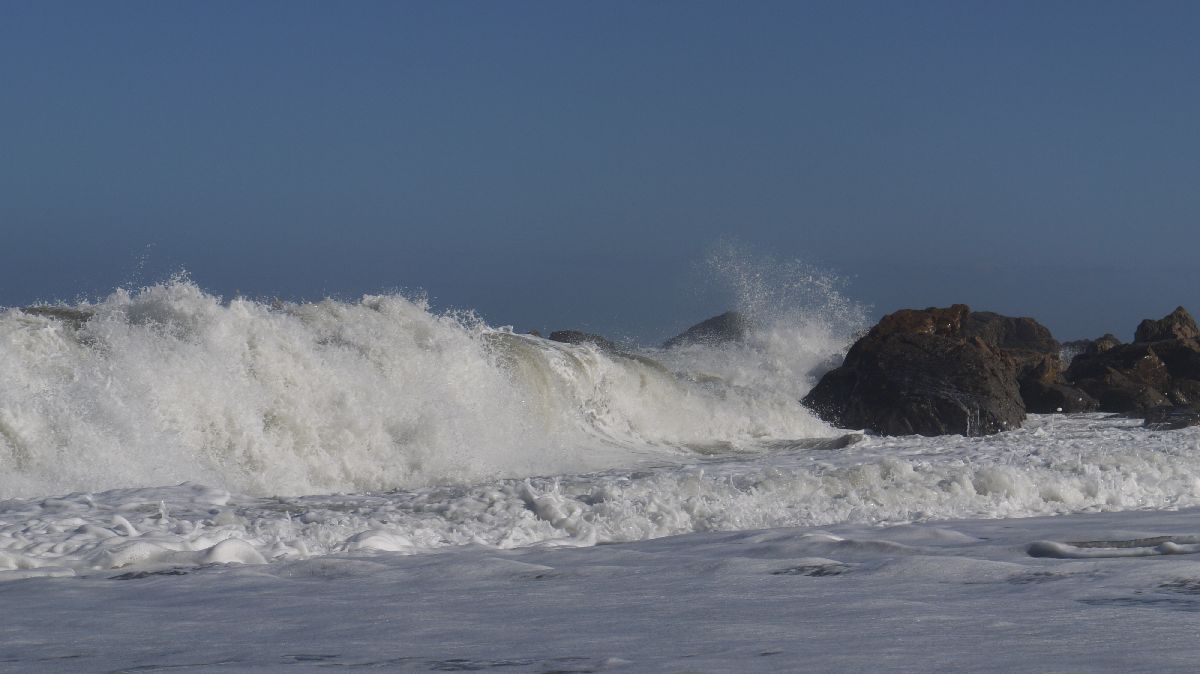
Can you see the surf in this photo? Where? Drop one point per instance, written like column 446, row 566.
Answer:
column 169, row 384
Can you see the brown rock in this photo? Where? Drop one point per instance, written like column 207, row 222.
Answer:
column 1044, row 392
column 1178, row 324
column 1118, row 391
column 916, row 373
column 1011, row 333
column 1161, row 366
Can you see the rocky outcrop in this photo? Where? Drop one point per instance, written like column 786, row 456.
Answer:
column 916, row 372
column 1044, row 390
column 947, row 370
column 1160, row 368
column 1013, row 334
column 579, row 337
column 1178, row 324
column 730, row 326
column 1036, row 355
column 72, row 316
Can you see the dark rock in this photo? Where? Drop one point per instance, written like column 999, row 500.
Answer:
column 1139, row 362
column 534, row 333
column 730, row 326
column 1161, row 367
column 1119, row 392
column 1074, row 348
column 1010, row 333
column 1037, row 356
column 69, row 315
column 1044, row 392
column 578, row 337
column 1178, row 324
column 1184, row 392
column 917, row 373
column 1171, row 417
column 1180, row 357
column 1049, row 398
column 1105, row 343
column 1087, row 347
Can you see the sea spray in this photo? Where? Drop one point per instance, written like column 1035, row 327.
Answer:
column 169, row 384
column 802, row 323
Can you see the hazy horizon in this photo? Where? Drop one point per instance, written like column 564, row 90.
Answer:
column 572, row 166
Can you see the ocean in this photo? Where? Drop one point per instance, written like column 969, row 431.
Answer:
column 192, row 484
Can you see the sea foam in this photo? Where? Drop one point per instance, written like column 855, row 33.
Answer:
column 169, row 384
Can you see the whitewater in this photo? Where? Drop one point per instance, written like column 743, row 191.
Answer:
column 194, row 483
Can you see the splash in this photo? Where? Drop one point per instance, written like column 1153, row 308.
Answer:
column 803, row 323
column 170, row 384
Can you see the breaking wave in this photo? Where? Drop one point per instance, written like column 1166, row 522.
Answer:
column 170, row 384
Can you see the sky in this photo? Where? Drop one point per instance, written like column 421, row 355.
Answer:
column 569, row 164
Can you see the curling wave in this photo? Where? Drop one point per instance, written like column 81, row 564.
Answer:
column 170, row 384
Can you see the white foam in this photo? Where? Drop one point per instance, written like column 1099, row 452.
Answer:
column 1057, row 465
column 169, row 384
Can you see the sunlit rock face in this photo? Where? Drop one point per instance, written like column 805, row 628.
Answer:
column 918, row 372
column 1161, row 367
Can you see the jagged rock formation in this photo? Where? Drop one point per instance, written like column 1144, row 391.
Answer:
column 1178, row 324
column 1035, row 353
column 1160, row 368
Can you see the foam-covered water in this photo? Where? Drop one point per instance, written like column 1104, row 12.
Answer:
column 1056, row 465
column 164, row 427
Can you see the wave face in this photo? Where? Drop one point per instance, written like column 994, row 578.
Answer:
column 169, row 384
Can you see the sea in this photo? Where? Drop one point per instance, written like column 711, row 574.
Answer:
column 192, row 483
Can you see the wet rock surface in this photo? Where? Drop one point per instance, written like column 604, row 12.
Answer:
column 916, row 372
column 731, row 326
column 948, row 370
column 1160, row 368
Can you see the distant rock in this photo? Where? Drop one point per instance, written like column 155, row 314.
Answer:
column 69, row 315
column 1105, row 343
column 1090, row 347
column 1172, row 417
column 579, row 337
column 731, row 326
column 1161, row 367
column 916, row 372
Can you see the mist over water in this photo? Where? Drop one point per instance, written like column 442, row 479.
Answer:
column 802, row 322
column 168, row 384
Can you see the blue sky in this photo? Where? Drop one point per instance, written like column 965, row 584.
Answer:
column 566, row 164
